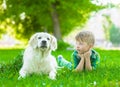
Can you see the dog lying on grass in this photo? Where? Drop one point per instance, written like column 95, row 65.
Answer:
column 37, row 56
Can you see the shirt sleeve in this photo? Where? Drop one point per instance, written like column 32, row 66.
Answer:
column 75, row 60
column 95, row 60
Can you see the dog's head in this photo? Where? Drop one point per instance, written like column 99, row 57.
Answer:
column 43, row 41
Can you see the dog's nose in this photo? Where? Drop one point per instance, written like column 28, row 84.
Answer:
column 44, row 42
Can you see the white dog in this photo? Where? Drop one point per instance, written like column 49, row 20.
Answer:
column 37, row 56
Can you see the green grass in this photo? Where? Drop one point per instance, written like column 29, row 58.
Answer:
column 7, row 55
column 106, row 75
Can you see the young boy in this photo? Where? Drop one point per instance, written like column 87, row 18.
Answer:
column 84, row 57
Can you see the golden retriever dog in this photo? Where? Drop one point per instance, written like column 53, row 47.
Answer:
column 37, row 56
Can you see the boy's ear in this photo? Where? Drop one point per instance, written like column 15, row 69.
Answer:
column 91, row 46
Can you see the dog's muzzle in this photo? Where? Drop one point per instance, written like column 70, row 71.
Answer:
column 43, row 44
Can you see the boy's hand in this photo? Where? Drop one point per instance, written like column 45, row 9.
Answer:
column 87, row 61
column 87, row 54
column 81, row 55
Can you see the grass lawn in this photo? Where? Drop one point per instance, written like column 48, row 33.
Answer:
column 106, row 75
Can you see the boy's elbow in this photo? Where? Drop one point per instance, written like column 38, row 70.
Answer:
column 89, row 69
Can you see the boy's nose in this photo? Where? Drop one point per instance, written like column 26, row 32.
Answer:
column 77, row 47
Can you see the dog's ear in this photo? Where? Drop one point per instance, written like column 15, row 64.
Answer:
column 53, row 44
column 33, row 41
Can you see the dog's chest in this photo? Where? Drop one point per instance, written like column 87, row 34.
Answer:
column 40, row 64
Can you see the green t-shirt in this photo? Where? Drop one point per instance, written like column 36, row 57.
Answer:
column 94, row 58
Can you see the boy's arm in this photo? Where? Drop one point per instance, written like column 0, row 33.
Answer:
column 87, row 61
column 81, row 64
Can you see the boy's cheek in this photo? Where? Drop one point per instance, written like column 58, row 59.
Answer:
column 77, row 49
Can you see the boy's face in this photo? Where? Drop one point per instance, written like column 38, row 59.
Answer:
column 82, row 47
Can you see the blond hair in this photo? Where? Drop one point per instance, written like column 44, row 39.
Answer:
column 86, row 36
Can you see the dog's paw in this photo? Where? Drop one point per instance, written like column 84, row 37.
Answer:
column 52, row 75
column 20, row 77
column 22, row 74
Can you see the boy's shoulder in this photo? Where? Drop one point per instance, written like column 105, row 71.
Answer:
column 75, row 52
column 94, row 54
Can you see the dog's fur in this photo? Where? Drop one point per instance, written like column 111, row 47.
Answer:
column 37, row 56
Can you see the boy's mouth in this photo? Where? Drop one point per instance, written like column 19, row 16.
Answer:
column 80, row 52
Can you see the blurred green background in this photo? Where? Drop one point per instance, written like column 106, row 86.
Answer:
column 19, row 19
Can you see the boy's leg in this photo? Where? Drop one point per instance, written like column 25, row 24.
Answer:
column 64, row 63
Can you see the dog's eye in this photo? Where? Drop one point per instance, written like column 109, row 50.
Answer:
column 39, row 37
column 48, row 38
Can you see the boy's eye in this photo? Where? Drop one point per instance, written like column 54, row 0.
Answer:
column 80, row 43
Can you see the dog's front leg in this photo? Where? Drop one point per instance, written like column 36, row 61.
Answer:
column 22, row 73
column 52, row 75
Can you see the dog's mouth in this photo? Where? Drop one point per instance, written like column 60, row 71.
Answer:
column 43, row 46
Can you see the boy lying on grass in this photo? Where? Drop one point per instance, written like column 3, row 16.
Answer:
column 84, row 57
